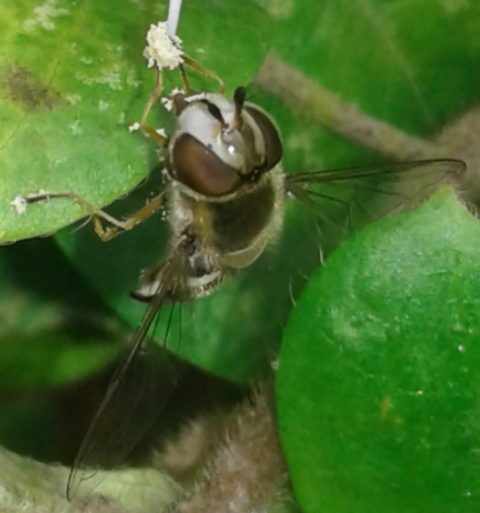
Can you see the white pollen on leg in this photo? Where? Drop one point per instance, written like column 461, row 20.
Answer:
column 19, row 203
column 162, row 51
column 167, row 104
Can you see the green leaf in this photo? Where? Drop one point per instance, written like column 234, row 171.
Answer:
column 72, row 79
column 377, row 387
column 53, row 331
column 392, row 60
column 357, row 51
column 29, row 426
column 50, row 358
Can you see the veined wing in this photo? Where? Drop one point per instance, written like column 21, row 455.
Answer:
column 349, row 197
column 138, row 390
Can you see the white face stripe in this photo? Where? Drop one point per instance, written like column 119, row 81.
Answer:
column 229, row 146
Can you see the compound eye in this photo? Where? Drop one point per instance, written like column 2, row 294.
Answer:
column 271, row 137
column 196, row 166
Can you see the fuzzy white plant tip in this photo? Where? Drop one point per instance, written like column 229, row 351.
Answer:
column 167, row 104
column 19, row 203
column 162, row 51
column 134, row 127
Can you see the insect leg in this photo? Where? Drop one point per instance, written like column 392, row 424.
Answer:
column 97, row 214
column 198, row 67
column 144, row 124
column 138, row 217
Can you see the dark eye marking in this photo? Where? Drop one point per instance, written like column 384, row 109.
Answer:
column 214, row 111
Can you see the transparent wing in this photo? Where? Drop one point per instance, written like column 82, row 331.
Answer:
column 347, row 198
column 139, row 388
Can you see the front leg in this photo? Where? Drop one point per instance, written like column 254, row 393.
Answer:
column 144, row 124
column 117, row 226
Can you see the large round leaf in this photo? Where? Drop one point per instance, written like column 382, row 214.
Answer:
column 377, row 388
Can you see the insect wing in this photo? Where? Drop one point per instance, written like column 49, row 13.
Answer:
column 139, row 388
column 350, row 197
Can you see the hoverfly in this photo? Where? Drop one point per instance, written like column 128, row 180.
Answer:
column 225, row 201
